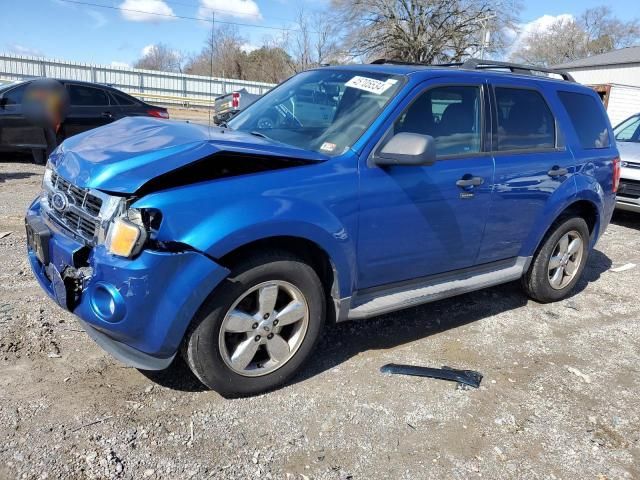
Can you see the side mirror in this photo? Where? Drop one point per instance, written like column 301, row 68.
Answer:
column 3, row 102
column 409, row 149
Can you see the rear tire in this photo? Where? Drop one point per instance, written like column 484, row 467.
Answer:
column 39, row 156
column 558, row 264
column 236, row 348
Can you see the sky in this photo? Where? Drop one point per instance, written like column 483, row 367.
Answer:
column 62, row 29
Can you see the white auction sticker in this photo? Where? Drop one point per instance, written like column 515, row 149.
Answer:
column 370, row 84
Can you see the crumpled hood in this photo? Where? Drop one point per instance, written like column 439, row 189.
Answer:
column 126, row 154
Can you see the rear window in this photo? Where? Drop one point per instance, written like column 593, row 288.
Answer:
column 524, row 120
column 588, row 119
column 87, row 96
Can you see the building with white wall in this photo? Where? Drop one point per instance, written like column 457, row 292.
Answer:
column 615, row 76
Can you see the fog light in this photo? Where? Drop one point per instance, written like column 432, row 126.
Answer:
column 107, row 303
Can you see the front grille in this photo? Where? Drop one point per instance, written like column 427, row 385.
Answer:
column 629, row 188
column 81, row 214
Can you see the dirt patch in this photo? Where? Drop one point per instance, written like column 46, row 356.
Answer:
column 559, row 399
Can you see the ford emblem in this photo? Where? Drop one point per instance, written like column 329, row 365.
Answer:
column 59, row 202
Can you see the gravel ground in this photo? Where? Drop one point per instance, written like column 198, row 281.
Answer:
column 559, row 399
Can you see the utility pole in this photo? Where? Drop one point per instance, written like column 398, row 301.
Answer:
column 212, row 105
column 486, row 33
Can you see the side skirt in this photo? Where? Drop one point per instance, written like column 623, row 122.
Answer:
column 388, row 298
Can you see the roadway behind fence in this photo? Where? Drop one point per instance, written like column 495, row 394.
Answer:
column 158, row 87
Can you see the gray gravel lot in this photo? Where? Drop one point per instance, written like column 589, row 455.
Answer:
column 560, row 398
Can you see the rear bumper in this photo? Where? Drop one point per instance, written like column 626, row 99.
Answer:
column 138, row 310
column 628, row 204
column 629, row 190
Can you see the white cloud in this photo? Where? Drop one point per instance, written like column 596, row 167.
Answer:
column 147, row 49
column 248, row 47
column 146, row 10
column 230, row 8
column 540, row 24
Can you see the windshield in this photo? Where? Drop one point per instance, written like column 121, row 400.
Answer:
column 323, row 110
column 629, row 130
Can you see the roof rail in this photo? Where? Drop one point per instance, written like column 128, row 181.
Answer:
column 477, row 64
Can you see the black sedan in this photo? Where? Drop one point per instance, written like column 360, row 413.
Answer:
column 90, row 105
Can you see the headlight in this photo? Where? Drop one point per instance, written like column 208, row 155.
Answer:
column 127, row 234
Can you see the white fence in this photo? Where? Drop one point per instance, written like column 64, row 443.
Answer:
column 164, row 87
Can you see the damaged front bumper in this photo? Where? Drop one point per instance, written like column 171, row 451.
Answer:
column 136, row 309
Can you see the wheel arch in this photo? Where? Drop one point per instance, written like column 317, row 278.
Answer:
column 308, row 250
column 580, row 207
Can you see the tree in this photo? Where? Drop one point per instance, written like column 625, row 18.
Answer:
column 269, row 64
column 595, row 31
column 225, row 47
column 161, row 57
column 424, row 31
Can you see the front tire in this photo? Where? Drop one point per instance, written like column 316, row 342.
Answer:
column 257, row 328
column 558, row 264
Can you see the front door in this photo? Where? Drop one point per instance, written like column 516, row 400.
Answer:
column 419, row 221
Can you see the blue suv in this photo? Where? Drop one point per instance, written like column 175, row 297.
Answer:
column 344, row 193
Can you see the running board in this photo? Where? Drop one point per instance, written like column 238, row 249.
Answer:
column 437, row 287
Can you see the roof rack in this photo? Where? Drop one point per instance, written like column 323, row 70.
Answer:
column 477, row 64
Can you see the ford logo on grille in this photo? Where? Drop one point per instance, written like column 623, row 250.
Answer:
column 59, row 202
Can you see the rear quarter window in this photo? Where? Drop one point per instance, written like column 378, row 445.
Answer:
column 587, row 118
column 124, row 100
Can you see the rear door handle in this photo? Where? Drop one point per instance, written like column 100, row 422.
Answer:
column 469, row 181
column 107, row 114
column 557, row 172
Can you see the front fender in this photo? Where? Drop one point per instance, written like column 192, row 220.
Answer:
column 240, row 224
column 219, row 217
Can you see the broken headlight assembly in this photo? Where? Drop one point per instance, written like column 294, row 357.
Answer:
column 128, row 233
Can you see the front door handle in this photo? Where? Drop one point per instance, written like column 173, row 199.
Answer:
column 107, row 114
column 469, row 181
column 557, row 172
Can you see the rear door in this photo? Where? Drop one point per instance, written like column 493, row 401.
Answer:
column 89, row 107
column 531, row 162
column 417, row 221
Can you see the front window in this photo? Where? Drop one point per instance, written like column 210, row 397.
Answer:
column 451, row 115
column 323, row 110
column 629, row 130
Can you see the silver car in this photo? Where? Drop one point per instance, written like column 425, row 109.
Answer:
column 628, row 139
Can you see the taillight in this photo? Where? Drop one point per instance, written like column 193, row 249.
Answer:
column 235, row 99
column 158, row 113
column 616, row 174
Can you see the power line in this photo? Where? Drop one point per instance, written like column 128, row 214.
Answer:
column 182, row 17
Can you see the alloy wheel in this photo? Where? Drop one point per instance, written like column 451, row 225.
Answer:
column 565, row 260
column 264, row 328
